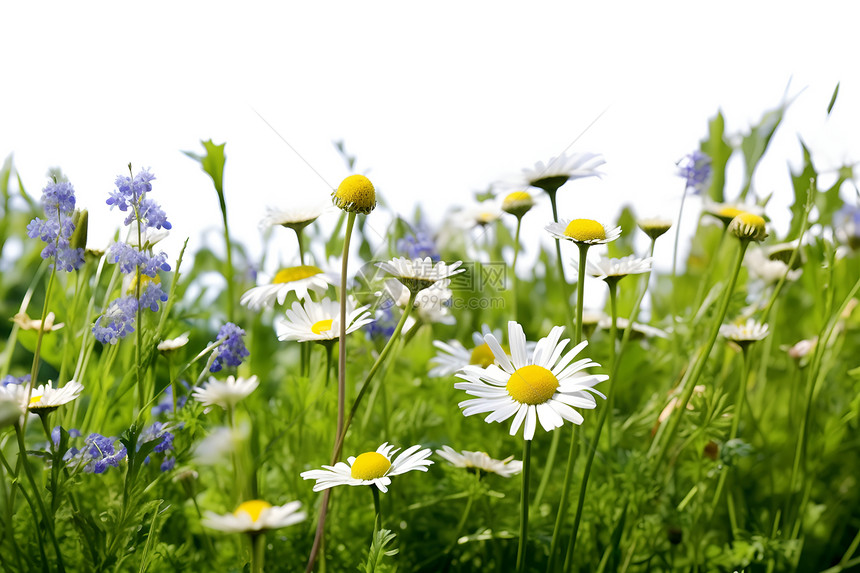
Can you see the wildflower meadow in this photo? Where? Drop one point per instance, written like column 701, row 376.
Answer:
column 436, row 397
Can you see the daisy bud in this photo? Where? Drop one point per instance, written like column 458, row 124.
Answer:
column 654, row 227
column 355, row 194
column 518, row 203
column 748, row 227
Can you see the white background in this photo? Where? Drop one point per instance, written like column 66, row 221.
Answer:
column 437, row 101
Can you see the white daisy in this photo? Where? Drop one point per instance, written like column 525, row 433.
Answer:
column 768, row 266
column 255, row 516
column 559, row 170
column 11, row 404
column 225, row 394
column 299, row 279
column 453, row 355
column 320, row 321
column 584, row 231
column 638, row 328
column 371, row 468
column 173, row 343
column 481, row 461
column 479, row 214
column 725, row 212
column 431, row 304
column 606, row 268
column 744, row 333
column 45, row 398
column 419, row 274
column 295, row 216
column 537, row 388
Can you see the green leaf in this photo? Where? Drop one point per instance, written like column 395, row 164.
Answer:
column 719, row 150
column 833, row 99
column 801, row 182
column 754, row 144
column 212, row 163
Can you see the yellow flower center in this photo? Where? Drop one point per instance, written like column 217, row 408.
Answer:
column 356, row 194
column 321, row 326
column 585, row 230
column 291, row 274
column 144, row 282
column 253, row 508
column 482, row 356
column 752, row 220
column 517, row 197
column 35, row 399
column 747, row 226
column 370, row 465
column 729, row 212
column 532, row 385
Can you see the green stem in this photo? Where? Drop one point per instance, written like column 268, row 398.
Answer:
column 524, row 507
column 229, row 246
column 573, row 451
column 34, row 370
column 258, row 551
column 733, row 433
column 318, row 537
column 559, row 262
column 699, row 365
column 341, row 355
column 604, row 414
column 377, row 508
column 514, row 268
column 675, row 333
column 300, row 240
column 49, row 521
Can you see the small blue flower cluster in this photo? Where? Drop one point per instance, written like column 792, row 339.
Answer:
column 130, row 195
column 98, row 454
column 161, row 432
column 119, row 319
column 696, row 169
column 58, row 202
column 419, row 244
column 232, row 350
column 9, row 379
column 385, row 323
column 165, row 406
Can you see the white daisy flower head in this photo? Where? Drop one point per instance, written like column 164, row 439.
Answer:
column 725, row 212
column 355, row 194
column 609, row 269
column 583, row 231
column 225, row 394
column 222, row 442
column 559, row 170
column 45, row 398
column 542, row 386
column 453, row 356
column 295, row 217
column 771, row 264
column 476, row 215
column 654, row 226
column 298, row 279
column 480, row 462
column 320, row 321
column 431, row 304
column 371, row 468
column 744, row 333
column 254, row 516
column 419, row 274
column 171, row 344
column 12, row 398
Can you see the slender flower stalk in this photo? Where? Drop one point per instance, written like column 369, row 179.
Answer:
column 573, row 451
column 341, row 351
column 524, row 507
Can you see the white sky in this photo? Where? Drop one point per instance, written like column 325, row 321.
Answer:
column 436, row 101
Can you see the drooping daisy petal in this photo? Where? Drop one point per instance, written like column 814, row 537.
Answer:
column 254, row 516
column 419, row 274
column 225, row 394
column 480, row 461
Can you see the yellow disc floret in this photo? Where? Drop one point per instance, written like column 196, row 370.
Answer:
column 355, row 194
column 291, row 274
column 585, row 230
column 482, row 356
column 252, row 508
column 370, row 465
column 729, row 212
column 748, row 227
column 321, row 326
column 532, row 385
